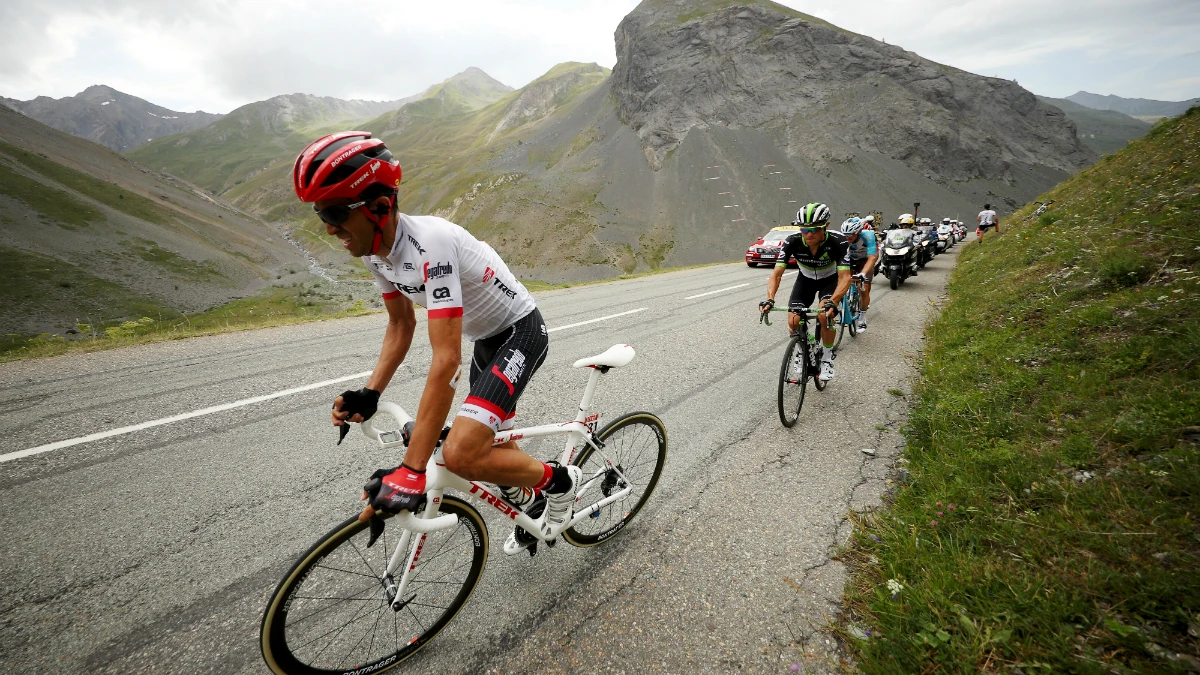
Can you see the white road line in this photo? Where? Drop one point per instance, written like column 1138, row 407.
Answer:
column 603, row 318
column 719, row 290
column 58, row 445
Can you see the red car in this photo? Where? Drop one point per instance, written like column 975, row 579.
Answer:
column 765, row 251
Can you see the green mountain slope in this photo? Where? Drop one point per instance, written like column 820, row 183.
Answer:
column 1104, row 131
column 91, row 237
column 260, row 137
column 1053, row 448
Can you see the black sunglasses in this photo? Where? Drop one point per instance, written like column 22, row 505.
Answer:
column 337, row 215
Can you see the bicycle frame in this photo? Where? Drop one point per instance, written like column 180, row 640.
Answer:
column 438, row 479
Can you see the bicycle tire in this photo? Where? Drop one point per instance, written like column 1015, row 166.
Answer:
column 841, row 329
column 649, row 427
column 814, row 363
column 279, row 642
column 854, row 305
column 792, row 383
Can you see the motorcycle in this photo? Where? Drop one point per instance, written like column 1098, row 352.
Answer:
column 899, row 256
column 945, row 238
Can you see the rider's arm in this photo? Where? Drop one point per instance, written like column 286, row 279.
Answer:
column 445, row 335
column 397, row 338
column 872, row 245
column 774, row 279
column 843, row 285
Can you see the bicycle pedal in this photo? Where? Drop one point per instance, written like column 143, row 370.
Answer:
column 532, row 549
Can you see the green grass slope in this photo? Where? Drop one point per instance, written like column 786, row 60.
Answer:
column 1050, row 523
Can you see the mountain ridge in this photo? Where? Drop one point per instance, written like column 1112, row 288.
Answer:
column 1104, row 131
column 112, row 118
column 1134, row 107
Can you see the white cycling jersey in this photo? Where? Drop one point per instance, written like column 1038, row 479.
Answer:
column 445, row 269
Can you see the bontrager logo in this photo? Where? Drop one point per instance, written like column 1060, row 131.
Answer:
column 437, row 270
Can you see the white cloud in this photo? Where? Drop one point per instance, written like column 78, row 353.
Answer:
column 219, row 54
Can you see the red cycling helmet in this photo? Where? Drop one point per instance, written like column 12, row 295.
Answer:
column 348, row 165
column 342, row 166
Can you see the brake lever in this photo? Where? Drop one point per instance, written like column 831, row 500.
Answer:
column 376, row 525
column 342, row 431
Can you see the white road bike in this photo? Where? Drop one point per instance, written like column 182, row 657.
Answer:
column 359, row 601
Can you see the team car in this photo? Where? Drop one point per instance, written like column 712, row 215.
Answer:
column 765, row 251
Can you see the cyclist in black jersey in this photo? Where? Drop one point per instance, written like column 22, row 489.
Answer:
column 824, row 261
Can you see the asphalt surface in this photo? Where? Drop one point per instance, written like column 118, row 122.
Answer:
column 155, row 551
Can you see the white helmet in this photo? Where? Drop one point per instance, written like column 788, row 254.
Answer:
column 851, row 226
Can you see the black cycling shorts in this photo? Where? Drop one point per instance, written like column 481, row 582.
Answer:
column 856, row 267
column 987, row 227
column 806, row 290
column 501, row 366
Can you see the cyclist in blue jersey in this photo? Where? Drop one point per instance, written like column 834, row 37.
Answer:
column 863, row 254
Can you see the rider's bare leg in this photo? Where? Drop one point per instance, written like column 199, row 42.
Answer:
column 470, row 454
column 864, row 294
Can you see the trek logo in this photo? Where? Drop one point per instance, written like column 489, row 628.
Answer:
column 437, row 270
column 411, row 290
column 440, row 293
column 416, row 244
column 488, row 274
column 374, row 167
column 504, row 289
column 495, row 501
column 512, row 371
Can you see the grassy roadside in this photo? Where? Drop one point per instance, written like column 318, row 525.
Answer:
column 276, row 306
column 1050, row 521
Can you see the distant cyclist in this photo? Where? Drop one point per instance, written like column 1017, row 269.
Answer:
column 864, row 252
column 987, row 219
column 824, row 261
column 353, row 181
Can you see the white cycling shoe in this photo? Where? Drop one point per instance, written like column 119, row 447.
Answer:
column 560, row 507
column 862, row 326
column 827, row 371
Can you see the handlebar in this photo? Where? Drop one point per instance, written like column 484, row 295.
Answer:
column 368, row 427
column 805, row 313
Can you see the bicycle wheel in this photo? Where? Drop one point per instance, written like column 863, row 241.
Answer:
column 853, row 313
column 331, row 612
column 814, row 359
column 793, row 379
column 637, row 444
column 842, row 314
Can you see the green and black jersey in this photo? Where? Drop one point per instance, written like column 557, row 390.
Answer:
column 832, row 255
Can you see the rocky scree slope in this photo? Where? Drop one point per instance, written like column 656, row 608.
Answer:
column 111, row 118
column 90, row 236
column 829, row 93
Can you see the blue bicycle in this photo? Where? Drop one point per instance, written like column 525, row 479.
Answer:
column 850, row 311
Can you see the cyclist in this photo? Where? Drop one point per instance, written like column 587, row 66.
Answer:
column 353, row 182
column 987, row 219
column 863, row 254
column 824, row 261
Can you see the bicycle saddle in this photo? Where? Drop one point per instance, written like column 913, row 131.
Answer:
column 615, row 357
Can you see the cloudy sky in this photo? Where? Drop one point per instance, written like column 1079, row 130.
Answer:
column 216, row 55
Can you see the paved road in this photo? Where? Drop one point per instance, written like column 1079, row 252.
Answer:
column 154, row 551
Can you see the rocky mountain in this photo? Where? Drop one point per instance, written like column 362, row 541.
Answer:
column 1135, row 107
column 720, row 118
column 89, row 236
column 1103, row 131
column 111, row 118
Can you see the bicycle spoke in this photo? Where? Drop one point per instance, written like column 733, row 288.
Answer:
column 337, row 569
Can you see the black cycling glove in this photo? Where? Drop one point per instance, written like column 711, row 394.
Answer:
column 364, row 402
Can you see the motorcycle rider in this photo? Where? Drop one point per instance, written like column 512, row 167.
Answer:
column 907, row 222
column 863, row 254
column 824, row 261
